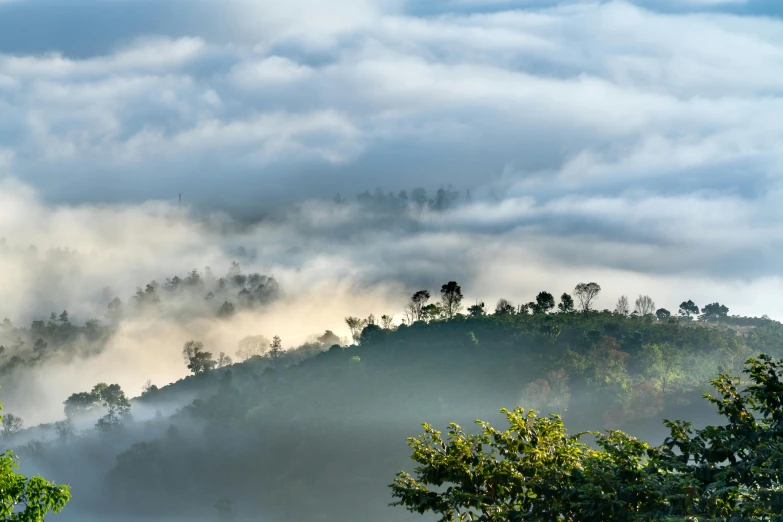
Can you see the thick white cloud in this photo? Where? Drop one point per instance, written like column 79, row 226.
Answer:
column 645, row 140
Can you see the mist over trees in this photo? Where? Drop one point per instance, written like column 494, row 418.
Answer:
column 197, row 294
column 278, row 407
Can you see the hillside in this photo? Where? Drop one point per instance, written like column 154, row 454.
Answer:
column 320, row 437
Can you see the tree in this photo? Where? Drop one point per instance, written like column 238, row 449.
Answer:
column 622, row 307
column 64, row 429
column 226, row 309
column 504, row 307
column 644, row 306
column 116, row 403
column 387, row 322
column 356, row 326
column 80, row 404
column 276, row 348
column 148, row 388
column 662, row 363
column 587, row 293
column 198, row 360
column 11, row 425
column 535, row 471
column 415, row 306
column 451, row 299
column 252, row 346
column 714, row 313
column 477, row 310
column 688, row 309
column 223, row 360
column 544, row 303
column 566, row 305
column 27, row 499
column 431, row 311
column 329, row 338
column 663, row 314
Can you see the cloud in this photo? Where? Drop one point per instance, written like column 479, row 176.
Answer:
column 633, row 143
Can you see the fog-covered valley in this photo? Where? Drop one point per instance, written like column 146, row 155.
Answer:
column 249, row 250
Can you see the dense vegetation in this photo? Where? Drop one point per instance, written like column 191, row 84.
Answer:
column 196, row 294
column 316, row 433
column 25, row 499
column 536, row 471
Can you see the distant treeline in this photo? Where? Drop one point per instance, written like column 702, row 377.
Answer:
column 192, row 295
column 443, row 199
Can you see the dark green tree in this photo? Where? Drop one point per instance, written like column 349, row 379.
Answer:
column 198, row 360
column 544, row 303
column 477, row 310
column 566, row 305
column 27, row 499
column 663, row 314
column 416, row 305
column 688, row 309
column 504, row 307
column 450, row 299
column 714, row 313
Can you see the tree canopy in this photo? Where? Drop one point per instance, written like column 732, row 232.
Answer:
column 536, row 471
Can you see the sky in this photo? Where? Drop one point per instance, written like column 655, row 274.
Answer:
column 634, row 141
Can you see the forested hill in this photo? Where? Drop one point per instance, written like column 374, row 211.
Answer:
column 288, row 437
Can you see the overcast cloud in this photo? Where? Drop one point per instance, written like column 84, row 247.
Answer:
column 636, row 143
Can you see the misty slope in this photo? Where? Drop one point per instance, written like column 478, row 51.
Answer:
column 321, row 439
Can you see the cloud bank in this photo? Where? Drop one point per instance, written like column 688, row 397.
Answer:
column 631, row 143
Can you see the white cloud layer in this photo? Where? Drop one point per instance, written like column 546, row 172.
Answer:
column 633, row 143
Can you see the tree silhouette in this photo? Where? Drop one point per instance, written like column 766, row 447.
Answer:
column 451, row 299
column 587, row 293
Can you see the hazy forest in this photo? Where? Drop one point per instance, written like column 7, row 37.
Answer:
column 267, row 430
column 391, row 261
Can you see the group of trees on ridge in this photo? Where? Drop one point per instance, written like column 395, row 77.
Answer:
column 444, row 198
column 620, row 366
column 418, row 308
column 197, row 292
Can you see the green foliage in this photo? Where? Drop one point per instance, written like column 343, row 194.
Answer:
column 451, row 299
column 544, row 303
column 198, row 360
column 714, row 313
column 566, row 305
column 535, row 471
column 25, row 499
column 688, row 309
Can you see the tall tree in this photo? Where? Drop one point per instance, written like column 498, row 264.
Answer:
column 504, row 307
column 252, row 346
column 11, row 425
column 566, row 305
column 275, row 348
column 198, row 360
column 116, row 403
column 688, row 309
column 662, row 363
column 477, row 310
column 415, row 306
column 587, row 293
column 544, row 303
column 622, row 307
column 714, row 312
column 451, row 299
column 663, row 314
column 644, row 306
column 223, row 360
column 356, row 326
